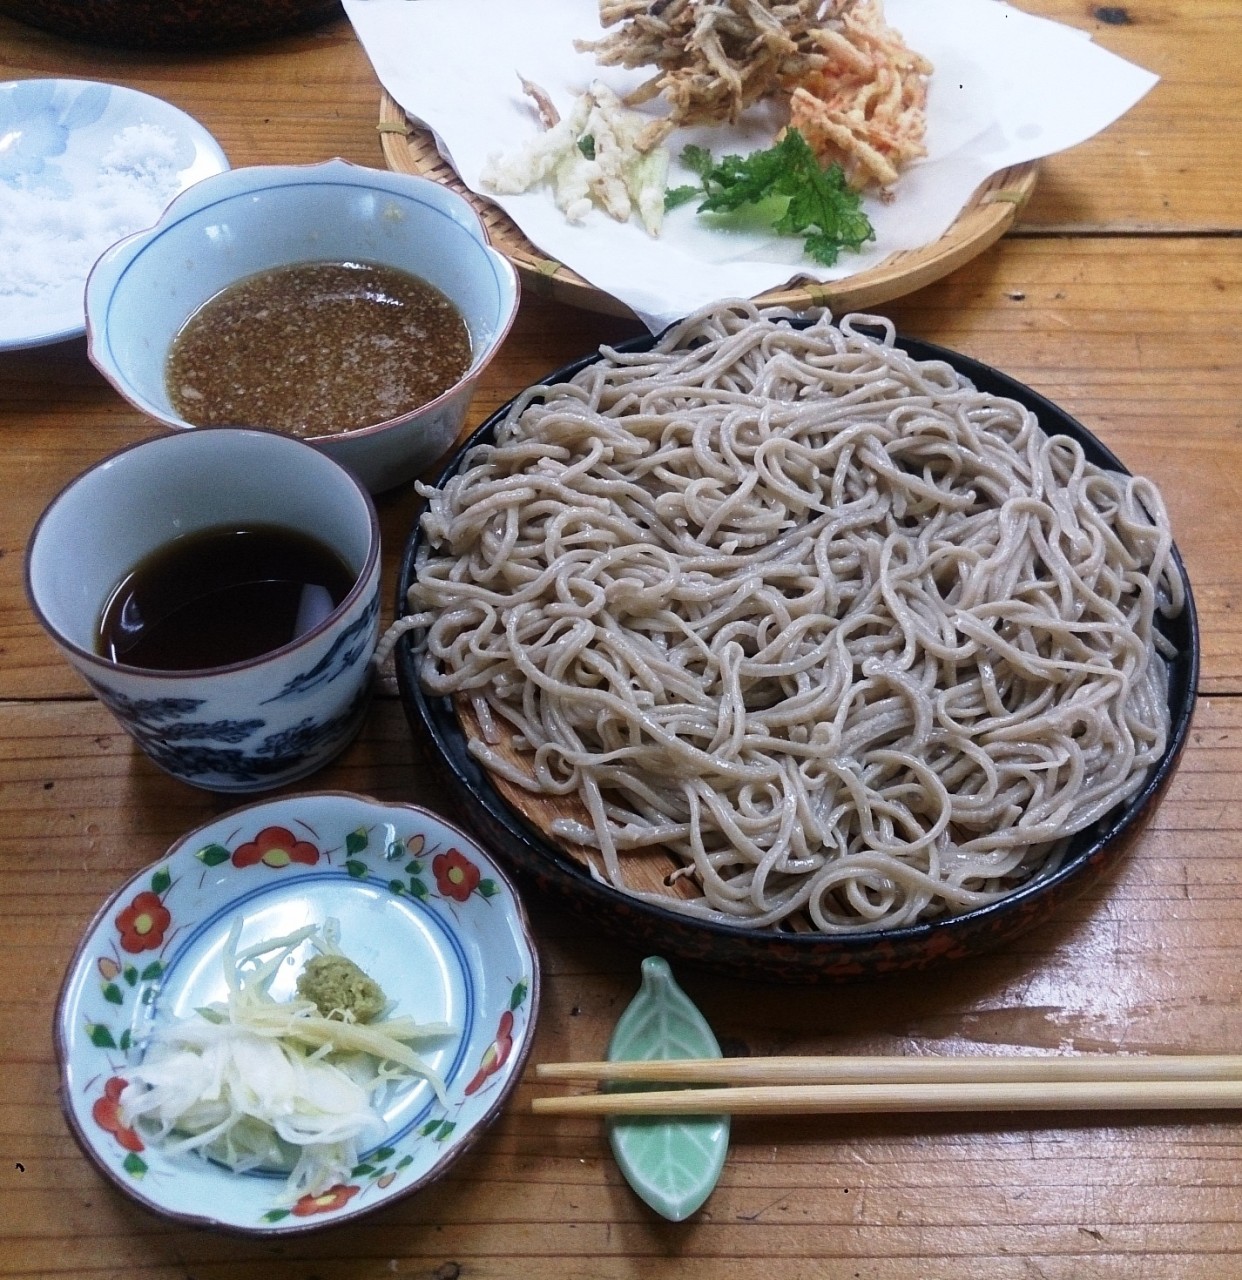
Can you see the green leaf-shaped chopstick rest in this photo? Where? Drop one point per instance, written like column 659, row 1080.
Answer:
column 671, row 1164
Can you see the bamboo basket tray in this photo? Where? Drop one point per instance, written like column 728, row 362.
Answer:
column 992, row 210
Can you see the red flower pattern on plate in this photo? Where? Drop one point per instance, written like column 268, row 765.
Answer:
column 495, row 1055
column 143, row 922
column 275, row 847
column 107, row 1115
column 325, row 1202
column 456, row 876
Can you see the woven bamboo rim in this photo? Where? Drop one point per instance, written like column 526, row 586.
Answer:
column 408, row 148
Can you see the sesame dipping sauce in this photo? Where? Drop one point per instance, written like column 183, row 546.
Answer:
column 316, row 349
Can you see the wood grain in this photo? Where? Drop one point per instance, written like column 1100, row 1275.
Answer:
column 1118, row 295
column 1136, row 340
column 1154, row 939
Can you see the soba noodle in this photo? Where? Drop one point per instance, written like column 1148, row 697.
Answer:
column 857, row 643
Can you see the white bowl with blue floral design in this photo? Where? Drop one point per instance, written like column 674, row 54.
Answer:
column 247, row 726
column 421, row 908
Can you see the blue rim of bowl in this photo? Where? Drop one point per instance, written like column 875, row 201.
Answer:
column 776, row 953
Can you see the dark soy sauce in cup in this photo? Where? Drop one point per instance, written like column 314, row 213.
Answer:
column 221, row 596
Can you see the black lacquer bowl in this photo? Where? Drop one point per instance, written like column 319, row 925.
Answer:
column 186, row 25
column 775, row 955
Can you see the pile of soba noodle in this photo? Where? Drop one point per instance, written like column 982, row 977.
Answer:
column 859, row 644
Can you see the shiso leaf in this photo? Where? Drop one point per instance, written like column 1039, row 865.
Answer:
column 795, row 193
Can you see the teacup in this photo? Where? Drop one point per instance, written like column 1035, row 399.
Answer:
column 253, row 724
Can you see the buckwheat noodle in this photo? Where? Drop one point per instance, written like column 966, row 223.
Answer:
column 858, row 644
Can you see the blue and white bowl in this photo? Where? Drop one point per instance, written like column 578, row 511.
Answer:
column 143, row 290
column 251, row 725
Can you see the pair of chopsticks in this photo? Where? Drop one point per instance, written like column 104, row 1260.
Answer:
column 816, row 1085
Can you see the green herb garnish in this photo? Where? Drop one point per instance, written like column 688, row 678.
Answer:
column 586, row 144
column 806, row 198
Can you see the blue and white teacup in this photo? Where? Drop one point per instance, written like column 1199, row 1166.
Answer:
column 251, row 725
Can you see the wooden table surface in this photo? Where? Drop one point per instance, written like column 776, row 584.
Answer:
column 1119, row 295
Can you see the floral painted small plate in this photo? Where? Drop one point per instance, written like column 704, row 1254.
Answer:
column 421, row 909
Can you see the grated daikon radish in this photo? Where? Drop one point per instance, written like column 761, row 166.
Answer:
column 254, row 1082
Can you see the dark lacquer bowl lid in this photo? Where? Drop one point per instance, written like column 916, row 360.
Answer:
column 172, row 24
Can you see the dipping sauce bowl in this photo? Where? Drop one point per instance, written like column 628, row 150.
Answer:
column 250, row 725
column 143, row 289
column 172, row 24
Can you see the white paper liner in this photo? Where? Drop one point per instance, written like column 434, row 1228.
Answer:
column 1007, row 88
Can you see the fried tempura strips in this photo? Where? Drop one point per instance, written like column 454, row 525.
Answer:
column 715, row 57
column 865, row 107
column 857, row 92
column 589, row 158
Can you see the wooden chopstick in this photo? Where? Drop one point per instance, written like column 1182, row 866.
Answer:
column 763, row 1086
column 892, row 1070
column 1070, row 1095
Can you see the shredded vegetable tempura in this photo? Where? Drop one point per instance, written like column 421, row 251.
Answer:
column 592, row 158
column 258, row 1083
column 856, row 92
column 714, row 58
column 866, row 107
